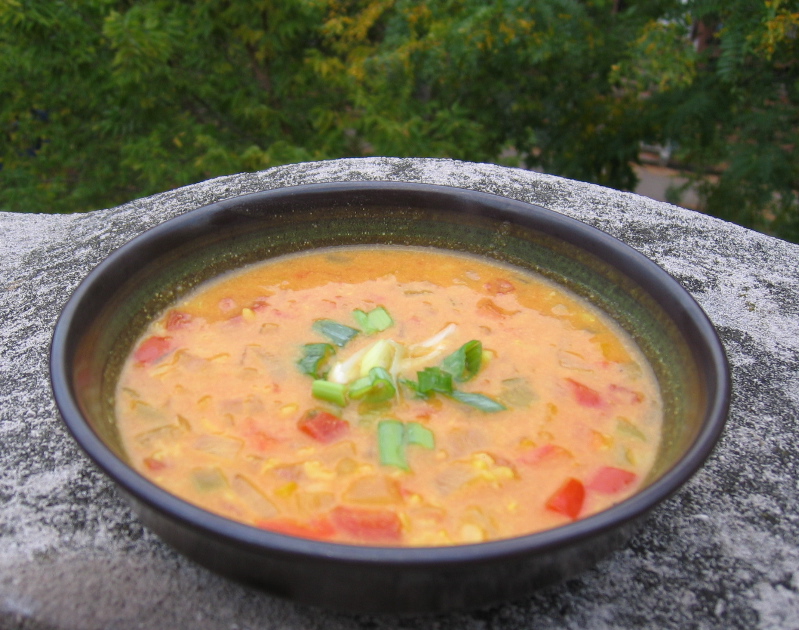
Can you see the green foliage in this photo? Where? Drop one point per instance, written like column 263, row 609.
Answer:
column 102, row 101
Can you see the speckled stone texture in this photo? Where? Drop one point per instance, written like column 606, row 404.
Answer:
column 722, row 553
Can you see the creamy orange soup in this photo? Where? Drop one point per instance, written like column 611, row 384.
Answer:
column 390, row 396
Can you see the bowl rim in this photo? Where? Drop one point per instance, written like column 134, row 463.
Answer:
column 590, row 238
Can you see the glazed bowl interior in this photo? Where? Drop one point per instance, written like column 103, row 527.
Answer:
column 112, row 307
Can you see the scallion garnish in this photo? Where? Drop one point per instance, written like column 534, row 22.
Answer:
column 393, row 438
column 391, row 443
column 465, row 362
column 433, row 379
column 419, row 435
column 377, row 386
column 330, row 392
column 376, row 320
column 314, row 357
column 339, row 334
column 479, row 401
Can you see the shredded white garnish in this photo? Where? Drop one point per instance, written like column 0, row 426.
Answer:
column 345, row 371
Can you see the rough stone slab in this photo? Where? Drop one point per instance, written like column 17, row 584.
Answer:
column 722, row 553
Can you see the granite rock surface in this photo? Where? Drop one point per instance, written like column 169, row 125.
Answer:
column 722, row 553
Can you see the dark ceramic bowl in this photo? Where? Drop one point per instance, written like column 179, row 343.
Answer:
column 118, row 299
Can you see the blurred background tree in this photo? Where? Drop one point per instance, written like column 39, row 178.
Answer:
column 103, row 101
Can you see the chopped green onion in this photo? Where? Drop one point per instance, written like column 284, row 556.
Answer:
column 414, row 387
column 419, row 435
column 359, row 388
column 465, row 362
column 376, row 320
column 330, row 392
column 391, row 443
column 483, row 403
column 433, row 379
column 339, row 334
column 314, row 358
column 380, row 354
column 377, row 386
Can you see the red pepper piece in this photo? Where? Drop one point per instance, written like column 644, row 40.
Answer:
column 374, row 526
column 625, row 394
column 154, row 464
column 568, row 499
column 323, row 426
column 545, row 452
column 610, row 480
column 152, row 349
column 317, row 528
column 586, row 396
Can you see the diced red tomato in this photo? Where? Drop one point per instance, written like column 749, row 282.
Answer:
column 610, row 480
column 373, row 526
column 584, row 395
column 317, row 528
column 568, row 499
column 176, row 320
column 152, row 349
column 542, row 453
column 323, row 426
column 499, row 286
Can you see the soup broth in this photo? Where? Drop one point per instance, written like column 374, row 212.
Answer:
column 390, row 396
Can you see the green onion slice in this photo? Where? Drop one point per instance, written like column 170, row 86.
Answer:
column 414, row 387
column 377, row 386
column 433, row 379
column 465, row 362
column 391, row 443
column 376, row 320
column 314, row 357
column 479, row 401
column 419, row 435
column 339, row 334
column 329, row 392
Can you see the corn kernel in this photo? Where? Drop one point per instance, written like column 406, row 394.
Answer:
column 482, row 461
column 315, row 470
column 287, row 490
